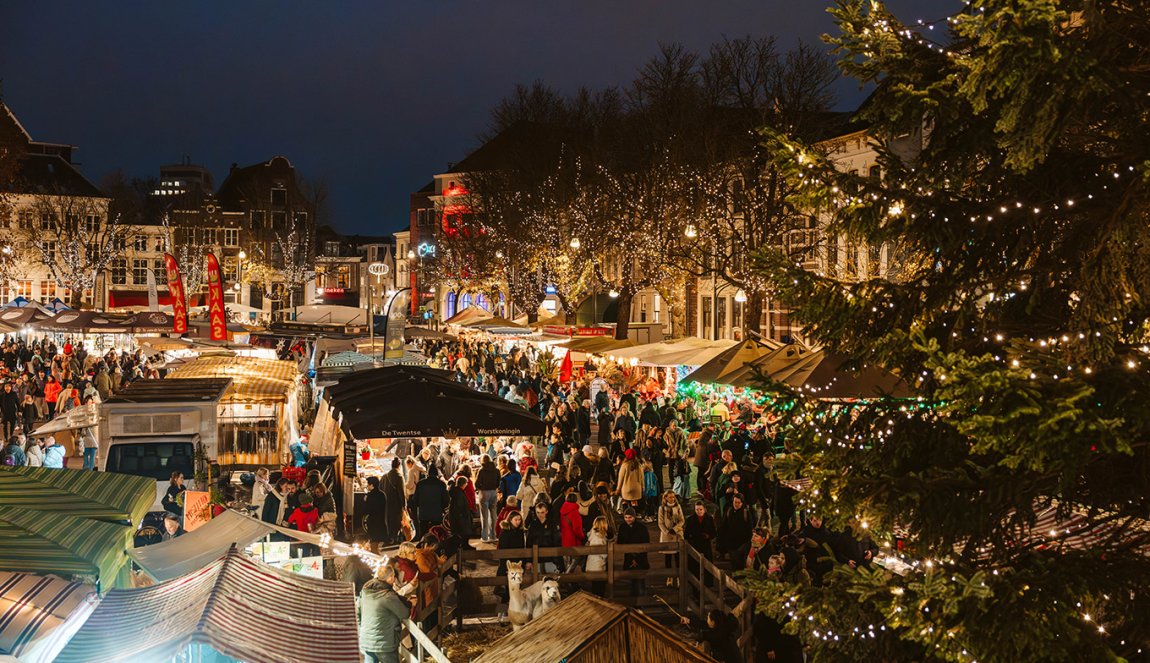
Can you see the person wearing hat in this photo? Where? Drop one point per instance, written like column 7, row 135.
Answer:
column 581, row 467
column 632, row 530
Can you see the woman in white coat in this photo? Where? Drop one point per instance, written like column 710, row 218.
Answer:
column 529, row 489
column 671, row 523
column 598, row 563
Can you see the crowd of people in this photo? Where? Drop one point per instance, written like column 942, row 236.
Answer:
column 41, row 380
column 616, row 466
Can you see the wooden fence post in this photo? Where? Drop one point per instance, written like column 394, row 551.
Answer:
column 610, row 571
column 683, row 547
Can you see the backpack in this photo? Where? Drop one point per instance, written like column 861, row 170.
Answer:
column 9, row 459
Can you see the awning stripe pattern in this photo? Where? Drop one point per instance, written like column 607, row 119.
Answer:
column 47, row 542
column 253, row 379
column 100, row 495
column 39, row 613
column 237, row 606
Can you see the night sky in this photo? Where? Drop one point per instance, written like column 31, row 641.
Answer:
column 373, row 97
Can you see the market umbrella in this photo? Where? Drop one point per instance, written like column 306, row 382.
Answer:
column 497, row 325
column 826, row 375
column 40, row 541
column 729, row 360
column 420, row 332
column 99, row 495
column 779, row 363
column 469, row 314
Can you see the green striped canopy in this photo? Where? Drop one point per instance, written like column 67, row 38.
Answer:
column 41, row 542
column 83, row 493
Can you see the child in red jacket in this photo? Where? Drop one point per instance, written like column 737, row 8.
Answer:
column 306, row 516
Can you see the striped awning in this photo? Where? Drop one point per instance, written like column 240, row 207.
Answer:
column 253, row 379
column 45, row 542
column 99, row 495
column 238, row 607
column 39, row 614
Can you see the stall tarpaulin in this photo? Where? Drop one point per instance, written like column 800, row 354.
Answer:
column 78, row 417
column 238, row 607
column 40, row 613
column 176, row 291
column 216, row 316
column 195, row 550
column 45, row 542
column 101, row 495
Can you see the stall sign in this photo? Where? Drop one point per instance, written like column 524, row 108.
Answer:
column 350, row 451
column 305, row 566
column 273, row 552
column 197, row 509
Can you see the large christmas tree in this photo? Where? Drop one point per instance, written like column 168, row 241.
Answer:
column 1017, row 484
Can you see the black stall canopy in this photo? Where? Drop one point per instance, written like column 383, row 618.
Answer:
column 409, row 401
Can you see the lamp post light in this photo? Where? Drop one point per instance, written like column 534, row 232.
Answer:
column 376, row 269
column 575, row 243
column 741, row 300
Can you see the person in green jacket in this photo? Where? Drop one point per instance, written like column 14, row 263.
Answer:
column 381, row 614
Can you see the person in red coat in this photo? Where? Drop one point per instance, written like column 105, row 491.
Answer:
column 570, row 523
column 306, row 516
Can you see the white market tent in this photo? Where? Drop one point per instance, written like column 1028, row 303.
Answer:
column 235, row 606
column 40, row 613
column 689, row 351
column 201, row 547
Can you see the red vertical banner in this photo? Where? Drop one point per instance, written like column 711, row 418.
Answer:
column 565, row 370
column 176, row 291
column 216, row 300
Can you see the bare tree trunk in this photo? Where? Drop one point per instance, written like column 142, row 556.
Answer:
column 753, row 315
column 623, row 315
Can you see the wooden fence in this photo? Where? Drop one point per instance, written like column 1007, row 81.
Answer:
column 714, row 587
column 418, row 645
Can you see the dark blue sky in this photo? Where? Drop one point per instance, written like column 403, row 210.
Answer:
column 375, row 96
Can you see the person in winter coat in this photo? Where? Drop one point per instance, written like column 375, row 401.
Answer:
column 87, row 441
column 570, row 523
column 14, row 455
column 630, row 479
column 531, row 486
column 55, row 455
column 430, row 500
column 512, row 536
column 735, row 530
column 720, row 635
column 28, row 414
column 382, row 612
column 598, row 536
column 543, row 531
column 509, row 481
column 632, row 530
column 272, row 509
column 9, row 409
column 306, row 516
column 487, row 487
column 392, row 486
column 34, row 453
column 52, row 390
column 699, row 532
column 671, row 523
column 459, row 512
column 375, row 514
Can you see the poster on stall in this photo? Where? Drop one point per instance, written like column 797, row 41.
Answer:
column 305, row 566
column 197, row 508
column 273, row 552
column 176, row 290
column 394, row 349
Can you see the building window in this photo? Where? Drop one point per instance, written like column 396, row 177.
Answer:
column 24, row 288
column 119, row 272
column 25, row 222
column 47, row 290
column 160, row 269
column 258, row 217
column 47, row 219
column 300, row 219
column 92, row 223
column 279, row 196
column 231, row 236
column 139, row 272
column 875, row 172
column 140, row 243
column 158, row 244
column 50, row 251
column 331, row 248
column 450, row 305
column 706, row 317
column 722, row 302
column 231, row 264
column 279, row 220
column 421, row 217
column 658, row 307
column 208, row 236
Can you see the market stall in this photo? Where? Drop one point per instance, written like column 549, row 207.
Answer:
column 40, row 613
column 97, row 331
column 199, row 548
column 259, row 414
column 359, row 418
column 235, row 607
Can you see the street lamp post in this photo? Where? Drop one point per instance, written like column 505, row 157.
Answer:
column 376, row 269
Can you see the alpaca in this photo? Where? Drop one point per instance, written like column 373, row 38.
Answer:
column 549, row 597
column 521, row 602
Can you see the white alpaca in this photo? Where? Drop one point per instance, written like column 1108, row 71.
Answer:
column 549, row 596
column 521, row 602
